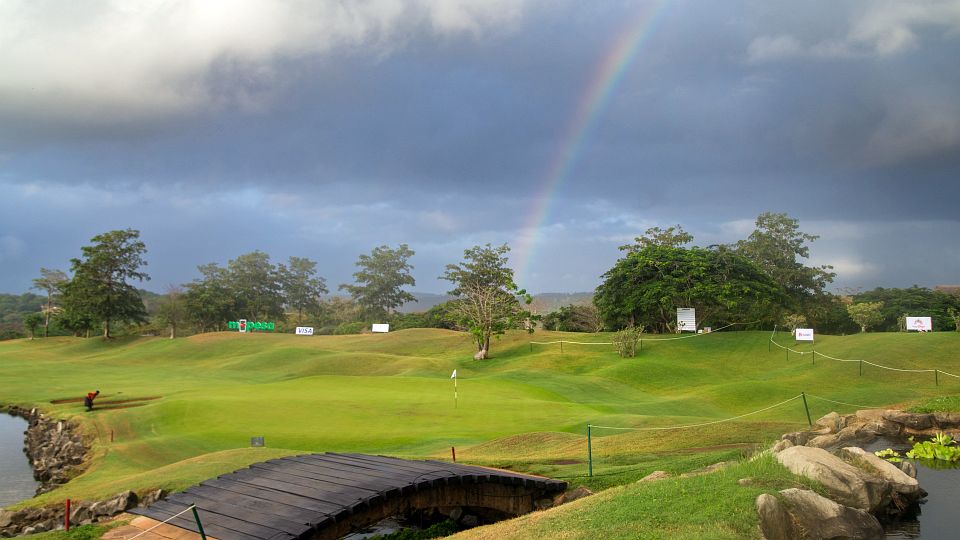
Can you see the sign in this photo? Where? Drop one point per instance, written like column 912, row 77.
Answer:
column 244, row 325
column 686, row 319
column 304, row 330
column 256, row 441
column 380, row 328
column 919, row 324
column 803, row 334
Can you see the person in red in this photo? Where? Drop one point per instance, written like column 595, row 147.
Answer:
column 88, row 401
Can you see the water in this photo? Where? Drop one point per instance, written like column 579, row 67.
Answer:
column 938, row 516
column 16, row 476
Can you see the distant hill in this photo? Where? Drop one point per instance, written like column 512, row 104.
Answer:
column 424, row 302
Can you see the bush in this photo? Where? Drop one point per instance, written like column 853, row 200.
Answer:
column 357, row 327
column 625, row 341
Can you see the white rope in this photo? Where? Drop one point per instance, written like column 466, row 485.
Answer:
column 798, row 396
column 191, row 507
column 842, row 402
column 950, row 374
column 642, row 339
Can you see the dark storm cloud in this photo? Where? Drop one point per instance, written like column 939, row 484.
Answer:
column 437, row 125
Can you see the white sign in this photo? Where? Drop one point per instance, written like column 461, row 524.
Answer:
column 803, row 334
column 242, row 325
column 686, row 319
column 380, row 328
column 304, row 330
column 919, row 324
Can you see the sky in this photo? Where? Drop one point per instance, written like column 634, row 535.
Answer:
column 562, row 128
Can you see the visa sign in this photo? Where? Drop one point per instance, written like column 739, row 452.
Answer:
column 304, row 330
column 804, row 334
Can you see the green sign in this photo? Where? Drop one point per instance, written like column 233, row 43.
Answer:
column 248, row 326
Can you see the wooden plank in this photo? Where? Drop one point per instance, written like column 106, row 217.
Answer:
column 429, row 475
column 212, row 528
column 262, row 492
column 338, row 477
column 313, row 493
column 295, row 526
column 256, row 503
column 215, row 519
column 344, row 494
column 394, row 475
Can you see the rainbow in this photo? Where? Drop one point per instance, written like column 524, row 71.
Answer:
column 590, row 106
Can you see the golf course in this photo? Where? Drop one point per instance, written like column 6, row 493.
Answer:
column 175, row 412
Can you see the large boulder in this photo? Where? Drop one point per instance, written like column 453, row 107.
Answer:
column 900, row 481
column 848, row 484
column 819, row 517
column 775, row 520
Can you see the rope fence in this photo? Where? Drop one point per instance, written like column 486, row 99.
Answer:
column 192, row 507
column 562, row 341
column 936, row 371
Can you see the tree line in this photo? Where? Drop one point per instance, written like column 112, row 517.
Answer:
column 762, row 280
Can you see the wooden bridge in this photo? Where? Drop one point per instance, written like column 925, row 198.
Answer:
column 326, row 496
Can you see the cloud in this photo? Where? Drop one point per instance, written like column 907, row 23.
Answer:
column 881, row 29
column 11, row 247
column 113, row 61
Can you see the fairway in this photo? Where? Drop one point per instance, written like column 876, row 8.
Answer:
column 526, row 408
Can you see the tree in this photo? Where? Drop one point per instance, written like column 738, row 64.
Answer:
column 776, row 246
column 916, row 301
column 209, row 300
column 51, row 282
column 648, row 286
column 99, row 290
column 954, row 317
column 574, row 318
column 655, row 236
column 488, row 301
column 380, row 281
column 32, row 321
column 300, row 288
column 255, row 284
column 173, row 309
column 866, row 314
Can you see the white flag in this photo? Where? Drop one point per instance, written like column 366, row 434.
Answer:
column 454, row 375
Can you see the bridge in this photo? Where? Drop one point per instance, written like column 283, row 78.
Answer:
column 327, row 496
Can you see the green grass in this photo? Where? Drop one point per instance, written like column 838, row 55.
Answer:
column 525, row 409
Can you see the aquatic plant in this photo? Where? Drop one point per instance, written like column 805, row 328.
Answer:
column 940, row 447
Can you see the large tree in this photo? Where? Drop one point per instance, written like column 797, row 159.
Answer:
column 301, row 286
column 777, row 245
column 655, row 236
column 379, row 282
column 172, row 310
column 488, row 301
column 648, row 285
column 99, row 289
column 51, row 282
column 255, row 284
column 209, row 300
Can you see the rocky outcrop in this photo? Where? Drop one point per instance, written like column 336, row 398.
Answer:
column 802, row 514
column 846, row 483
column 35, row 520
column 835, row 431
column 55, row 448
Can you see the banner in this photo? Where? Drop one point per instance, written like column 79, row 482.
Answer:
column 919, row 324
column 803, row 334
column 380, row 328
column 304, row 330
column 686, row 319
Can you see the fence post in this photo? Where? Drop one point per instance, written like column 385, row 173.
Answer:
column 196, row 516
column 561, row 345
column 814, row 356
column 787, row 351
column 806, row 408
column 641, row 345
column 66, row 517
column 589, row 453
column 936, row 376
column 861, row 368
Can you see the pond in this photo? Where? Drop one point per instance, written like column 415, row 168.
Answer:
column 16, row 475
column 938, row 516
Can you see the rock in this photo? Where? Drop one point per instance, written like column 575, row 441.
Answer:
column 781, row 445
column 908, row 468
column 775, row 521
column 848, row 484
column 745, row 481
column 708, row 469
column 80, row 513
column 913, row 421
column 819, row 517
column 6, row 518
column 469, row 521
column 830, row 421
column 455, row 513
column 572, row 495
column 900, row 481
column 655, row 475
column 114, row 506
column 152, row 497
column 481, row 355
column 947, row 420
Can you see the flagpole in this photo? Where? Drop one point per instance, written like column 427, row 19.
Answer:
column 454, row 391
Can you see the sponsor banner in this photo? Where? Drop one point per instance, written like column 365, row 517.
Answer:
column 919, row 324
column 244, row 325
column 686, row 319
column 380, row 328
column 803, row 334
column 304, row 330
